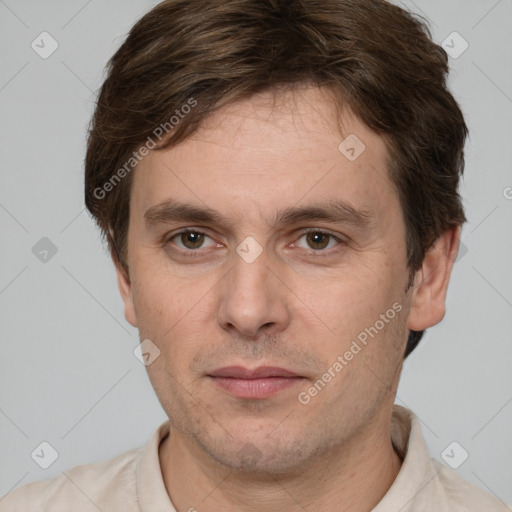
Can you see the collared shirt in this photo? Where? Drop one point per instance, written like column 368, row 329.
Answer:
column 133, row 482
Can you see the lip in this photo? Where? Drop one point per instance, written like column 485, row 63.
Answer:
column 262, row 372
column 258, row 383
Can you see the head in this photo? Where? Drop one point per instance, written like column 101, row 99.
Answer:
column 316, row 151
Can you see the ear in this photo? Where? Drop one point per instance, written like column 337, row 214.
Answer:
column 125, row 288
column 431, row 282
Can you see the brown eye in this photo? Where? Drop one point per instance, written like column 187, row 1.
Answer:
column 192, row 239
column 320, row 243
column 318, row 240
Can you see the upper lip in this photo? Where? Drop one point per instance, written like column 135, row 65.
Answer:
column 262, row 372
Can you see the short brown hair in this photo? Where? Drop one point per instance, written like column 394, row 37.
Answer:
column 379, row 58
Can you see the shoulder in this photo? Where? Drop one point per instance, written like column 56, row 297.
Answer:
column 423, row 482
column 86, row 487
column 461, row 495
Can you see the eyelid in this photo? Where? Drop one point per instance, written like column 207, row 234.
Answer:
column 321, row 230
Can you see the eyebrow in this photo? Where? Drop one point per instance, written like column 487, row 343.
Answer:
column 333, row 211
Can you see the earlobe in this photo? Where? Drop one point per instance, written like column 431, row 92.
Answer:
column 125, row 288
column 431, row 282
column 123, row 283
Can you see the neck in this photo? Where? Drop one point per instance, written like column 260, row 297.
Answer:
column 352, row 477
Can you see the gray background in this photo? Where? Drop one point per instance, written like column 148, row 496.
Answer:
column 68, row 374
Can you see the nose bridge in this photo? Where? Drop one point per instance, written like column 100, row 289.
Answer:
column 249, row 277
column 251, row 297
column 250, row 271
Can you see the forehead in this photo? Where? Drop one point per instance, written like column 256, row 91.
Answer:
column 269, row 152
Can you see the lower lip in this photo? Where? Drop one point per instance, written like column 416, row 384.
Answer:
column 256, row 388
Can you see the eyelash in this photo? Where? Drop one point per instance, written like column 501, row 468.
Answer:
column 317, row 253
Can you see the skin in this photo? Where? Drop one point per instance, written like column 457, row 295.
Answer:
column 290, row 308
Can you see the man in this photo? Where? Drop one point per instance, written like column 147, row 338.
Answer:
column 277, row 182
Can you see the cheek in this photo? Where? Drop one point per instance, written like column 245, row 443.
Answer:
column 159, row 305
column 158, row 292
column 171, row 313
column 349, row 299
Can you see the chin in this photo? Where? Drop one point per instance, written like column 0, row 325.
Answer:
column 261, row 455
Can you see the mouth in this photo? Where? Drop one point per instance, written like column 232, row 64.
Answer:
column 257, row 384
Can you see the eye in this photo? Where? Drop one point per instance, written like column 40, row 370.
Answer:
column 319, row 240
column 190, row 239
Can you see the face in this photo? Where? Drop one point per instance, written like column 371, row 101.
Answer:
column 269, row 268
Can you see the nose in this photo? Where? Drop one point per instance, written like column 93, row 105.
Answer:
column 253, row 299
